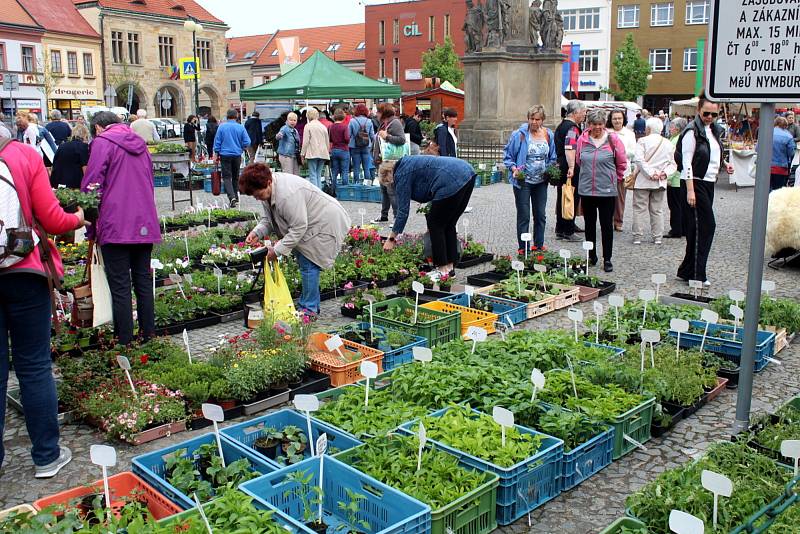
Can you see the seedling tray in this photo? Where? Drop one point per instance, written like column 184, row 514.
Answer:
column 446, row 327
column 395, row 357
column 331, row 363
column 472, row 262
column 504, row 308
column 469, row 316
column 725, row 346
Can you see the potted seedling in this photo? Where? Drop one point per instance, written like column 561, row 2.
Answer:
column 268, row 443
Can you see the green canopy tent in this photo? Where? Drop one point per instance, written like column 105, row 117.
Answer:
column 320, row 77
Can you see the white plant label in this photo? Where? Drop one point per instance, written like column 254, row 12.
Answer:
column 646, row 295
column 707, row 316
column 188, row 278
column 422, row 354
column 650, row 337
column 565, row 255
column 215, row 414
column 541, row 269
column 422, row 437
column 587, row 246
column 186, row 343
column 616, row 302
column 186, row 242
column 175, row 278
column 477, row 335
column 683, row 523
column 307, row 404
column 321, row 447
column 334, row 344
column 469, row 291
column 680, row 326
column 576, row 316
column 371, row 300
column 105, row 457
column 517, row 265
column 791, row 449
column 155, row 263
column 505, row 419
column 767, row 286
column 218, row 274
column 738, row 315
column 417, row 287
column 125, row 364
column 736, row 296
column 537, row 380
column 369, row 370
column 362, row 212
column 697, row 286
column 526, row 238
column 598, row 312
column 718, row 485
column 658, row 280
column 572, row 376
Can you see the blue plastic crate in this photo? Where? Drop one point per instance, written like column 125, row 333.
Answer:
column 246, row 433
column 347, row 192
column 504, row 308
column 391, row 358
column 477, row 181
column 589, row 458
column 497, row 177
column 524, row 486
column 370, row 193
column 725, row 346
column 162, row 180
column 152, row 466
column 387, row 510
column 618, row 351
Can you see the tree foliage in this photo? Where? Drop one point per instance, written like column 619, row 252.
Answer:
column 442, row 62
column 630, row 71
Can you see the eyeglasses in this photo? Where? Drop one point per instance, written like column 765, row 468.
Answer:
column 710, row 114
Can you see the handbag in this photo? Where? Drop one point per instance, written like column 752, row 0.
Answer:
column 630, row 180
column 101, row 295
column 568, row 201
column 278, row 304
column 82, row 314
column 216, row 181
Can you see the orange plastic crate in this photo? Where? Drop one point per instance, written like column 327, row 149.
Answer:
column 120, row 486
column 330, row 363
column 469, row 316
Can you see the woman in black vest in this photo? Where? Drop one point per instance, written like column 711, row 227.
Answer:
column 699, row 155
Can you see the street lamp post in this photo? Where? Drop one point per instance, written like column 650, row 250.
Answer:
column 195, row 27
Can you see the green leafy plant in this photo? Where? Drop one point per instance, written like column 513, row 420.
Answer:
column 204, row 474
column 350, row 508
column 384, row 413
column 310, row 495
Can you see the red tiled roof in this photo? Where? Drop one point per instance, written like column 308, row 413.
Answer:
column 14, row 13
column 169, row 8
column 349, row 36
column 59, row 16
column 238, row 47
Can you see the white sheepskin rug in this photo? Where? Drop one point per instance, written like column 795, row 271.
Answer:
column 783, row 220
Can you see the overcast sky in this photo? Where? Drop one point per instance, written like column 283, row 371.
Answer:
column 251, row 17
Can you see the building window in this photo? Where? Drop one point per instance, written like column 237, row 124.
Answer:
column 275, row 52
column 204, row 53
column 233, row 85
column 381, row 33
column 395, row 32
column 133, row 49
column 628, row 16
column 27, row 59
column 431, row 29
column 361, row 46
column 241, row 84
column 116, row 47
column 55, row 61
column 697, row 12
column 589, row 61
column 690, row 59
column 581, row 19
column 333, row 47
column 2, row 56
column 88, row 65
column 447, row 25
column 72, row 63
column 381, row 68
column 249, row 55
column 662, row 14
column 303, row 49
column 661, row 59
column 166, row 51
column 396, row 69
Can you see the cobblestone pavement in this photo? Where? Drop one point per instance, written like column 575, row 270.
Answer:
column 599, row 500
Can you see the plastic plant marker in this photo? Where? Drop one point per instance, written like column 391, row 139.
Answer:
column 708, row 316
column 209, row 217
column 155, row 264
column 186, row 343
column 186, row 242
column 736, row 296
column 738, row 315
column 572, row 376
column 791, row 449
column 541, row 269
column 320, row 447
column 418, row 289
column 587, row 246
column 469, row 291
column 202, row 513
column 465, row 221
column 370, row 371
column 177, row 279
column 646, row 295
column 362, row 212
column 537, row 380
column 681, row 326
column 718, row 485
column 526, row 238
column 697, row 286
column 370, row 299
column 125, row 364
column 422, row 436
column 505, row 419
column 307, row 404
column 519, row 267
column 598, row 312
column 214, row 413
column 632, row 441
column 683, row 523
column 476, row 334
column 658, row 280
column 566, row 255
column 218, row 274
column 422, row 354
column 510, row 322
column 334, row 344
column 164, row 224
column 652, row 337
column 104, row 456
column 189, row 279
column 767, row 286
column 576, row 316
column 616, row 302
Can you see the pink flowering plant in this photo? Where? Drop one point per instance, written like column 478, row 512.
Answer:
column 122, row 415
column 357, row 302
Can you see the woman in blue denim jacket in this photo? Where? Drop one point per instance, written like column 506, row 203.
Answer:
column 289, row 145
column 528, row 153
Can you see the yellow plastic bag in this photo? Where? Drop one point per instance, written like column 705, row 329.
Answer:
column 278, row 304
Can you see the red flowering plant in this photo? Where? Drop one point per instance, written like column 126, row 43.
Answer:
column 471, row 249
column 366, row 235
column 357, row 302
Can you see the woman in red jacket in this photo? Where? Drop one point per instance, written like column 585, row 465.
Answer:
column 25, row 310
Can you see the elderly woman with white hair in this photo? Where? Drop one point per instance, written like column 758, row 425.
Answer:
column 654, row 163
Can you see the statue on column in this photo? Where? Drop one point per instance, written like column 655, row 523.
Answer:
column 497, row 21
column 552, row 26
column 473, row 27
column 535, row 22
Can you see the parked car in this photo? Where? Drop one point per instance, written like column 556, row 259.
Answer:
column 176, row 127
column 162, row 128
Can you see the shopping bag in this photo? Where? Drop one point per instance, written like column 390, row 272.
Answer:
column 393, row 152
column 568, row 201
column 277, row 299
column 101, row 294
column 82, row 312
column 216, row 181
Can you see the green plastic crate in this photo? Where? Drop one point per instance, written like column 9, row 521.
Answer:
column 473, row 513
column 616, row 526
column 446, row 327
column 635, row 423
column 794, row 403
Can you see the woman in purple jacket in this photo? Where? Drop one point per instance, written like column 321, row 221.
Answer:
column 120, row 169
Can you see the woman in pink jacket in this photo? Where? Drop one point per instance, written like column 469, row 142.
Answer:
column 25, row 304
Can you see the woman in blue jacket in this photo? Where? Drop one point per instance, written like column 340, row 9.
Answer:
column 447, row 184
column 528, row 153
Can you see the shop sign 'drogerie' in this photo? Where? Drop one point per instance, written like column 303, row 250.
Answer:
column 754, row 50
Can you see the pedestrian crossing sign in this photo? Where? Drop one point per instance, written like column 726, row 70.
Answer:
column 188, row 68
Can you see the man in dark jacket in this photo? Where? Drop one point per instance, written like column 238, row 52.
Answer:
column 413, row 130
column 255, row 132
column 445, row 133
column 58, row 128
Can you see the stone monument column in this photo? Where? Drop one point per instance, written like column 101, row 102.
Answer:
column 510, row 73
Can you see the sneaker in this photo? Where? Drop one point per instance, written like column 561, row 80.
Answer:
column 50, row 470
column 706, row 284
column 380, row 219
column 234, row 203
column 637, row 241
column 468, row 209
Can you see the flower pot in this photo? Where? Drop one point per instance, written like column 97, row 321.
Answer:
column 90, row 214
column 319, row 527
column 160, row 431
column 274, row 398
column 732, row 375
column 267, row 447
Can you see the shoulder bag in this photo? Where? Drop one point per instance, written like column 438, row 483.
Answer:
column 630, row 180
